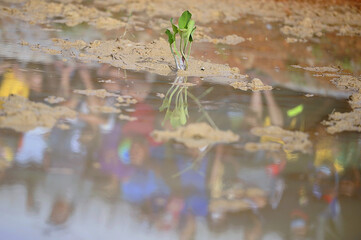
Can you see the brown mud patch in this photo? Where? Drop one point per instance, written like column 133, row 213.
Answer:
column 229, row 39
column 126, row 100
column 127, row 118
column 355, row 100
column 255, row 85
column 64, row 44
column 71, row 14
column 196, row 135
column 349, row 121
column 102, row 93
column 317, row 69
column 54, row 99
column 340, row 122
column 22, row 115
column 104, row 109
column 290, row 141
column 348, row 83
column 63, row 126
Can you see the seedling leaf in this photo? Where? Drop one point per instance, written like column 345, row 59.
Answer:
column 183, row 118
column 191, row 35
column 184, row 19
column 190, row 27
column 175, row 28
column 171, row 38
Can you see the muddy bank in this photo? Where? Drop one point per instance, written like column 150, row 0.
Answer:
column 154, row 57
column 339, row 122
column 349, row 121
column 22, row 115
column 195, row 135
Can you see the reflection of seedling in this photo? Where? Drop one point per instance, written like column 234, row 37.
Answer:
column 179, row 91
column 178, row 116
column 185, row 29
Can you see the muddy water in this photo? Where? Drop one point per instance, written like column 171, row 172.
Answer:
column 245, row 165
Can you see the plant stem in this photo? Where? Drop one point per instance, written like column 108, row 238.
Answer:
column 199, row 158
column 205, row 93
column 203, row 111
column 177, row 62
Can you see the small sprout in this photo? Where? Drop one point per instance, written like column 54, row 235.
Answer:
column 185, row 29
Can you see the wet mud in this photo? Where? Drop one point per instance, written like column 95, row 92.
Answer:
column 101, row 135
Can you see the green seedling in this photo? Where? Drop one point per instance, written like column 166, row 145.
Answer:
column 184, row 30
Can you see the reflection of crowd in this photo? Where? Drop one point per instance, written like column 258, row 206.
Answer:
column 118, row 162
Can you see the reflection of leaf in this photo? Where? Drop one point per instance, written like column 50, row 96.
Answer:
column 167, row 116
column 183, row 118
column 174, row 118
column 165, row 104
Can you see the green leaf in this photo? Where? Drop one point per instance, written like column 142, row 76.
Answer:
column 190, row 31
column 190, row 27
column 175, row 28
column 170, row 36
column 190, row 38
column 184, row 19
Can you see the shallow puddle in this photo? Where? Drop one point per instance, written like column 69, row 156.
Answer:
column 238, row 147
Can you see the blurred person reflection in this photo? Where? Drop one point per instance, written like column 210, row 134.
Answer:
column 13, row 80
